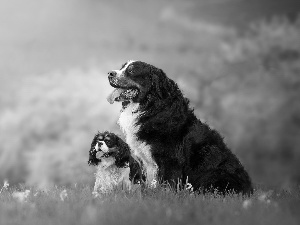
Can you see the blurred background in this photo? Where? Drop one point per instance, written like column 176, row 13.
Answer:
column 238, row 61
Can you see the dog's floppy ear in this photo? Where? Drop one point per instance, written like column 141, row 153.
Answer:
column 92, row 153
column 157, row 85
column 162, row 85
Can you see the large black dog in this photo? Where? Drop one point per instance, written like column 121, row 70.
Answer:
column 166, row 137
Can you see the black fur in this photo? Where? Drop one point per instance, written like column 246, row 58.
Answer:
column 121, row 153
column 183, row 147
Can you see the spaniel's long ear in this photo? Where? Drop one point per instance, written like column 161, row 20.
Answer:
column 92, row 152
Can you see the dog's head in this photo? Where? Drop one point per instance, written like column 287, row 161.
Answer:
column 140, row 82
column 108, row 149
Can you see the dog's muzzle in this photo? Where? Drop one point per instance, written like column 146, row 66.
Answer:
column 112, row 74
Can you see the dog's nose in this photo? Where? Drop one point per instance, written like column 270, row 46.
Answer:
column 112, row 74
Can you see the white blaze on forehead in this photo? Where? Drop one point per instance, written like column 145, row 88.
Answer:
column 120, row 72
column 103, row 147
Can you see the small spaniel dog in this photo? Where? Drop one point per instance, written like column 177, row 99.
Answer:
column 165, row 136
column 115, row 166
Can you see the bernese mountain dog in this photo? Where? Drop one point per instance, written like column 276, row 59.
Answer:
column 165, row 136
column 115, row 165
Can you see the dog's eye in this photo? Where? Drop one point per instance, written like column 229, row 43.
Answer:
column 107, row 142
column 130, row 69
column 100, row 137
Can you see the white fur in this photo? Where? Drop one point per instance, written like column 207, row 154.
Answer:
column 121, row 71
column 140, row 150
column 102, row 147
column 21, row 196
column 109, row 176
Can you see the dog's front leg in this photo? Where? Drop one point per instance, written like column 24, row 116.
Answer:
column 96, row 187
column 151, row 174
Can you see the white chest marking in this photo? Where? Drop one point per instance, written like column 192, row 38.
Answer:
column 139, row 149
column 109, row 177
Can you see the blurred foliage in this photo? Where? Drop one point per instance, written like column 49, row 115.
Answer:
column 45, row 135
column 255, row 100
column 245, row 85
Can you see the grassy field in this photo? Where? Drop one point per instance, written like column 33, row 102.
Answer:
column 76, row 205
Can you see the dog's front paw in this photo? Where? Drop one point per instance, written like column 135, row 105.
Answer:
column 95, row 194
column 153, row 183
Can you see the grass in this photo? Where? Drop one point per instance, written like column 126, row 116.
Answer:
column 76, row 205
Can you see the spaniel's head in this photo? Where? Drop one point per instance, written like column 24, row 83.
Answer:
column 140, row 82
column 107, row 149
